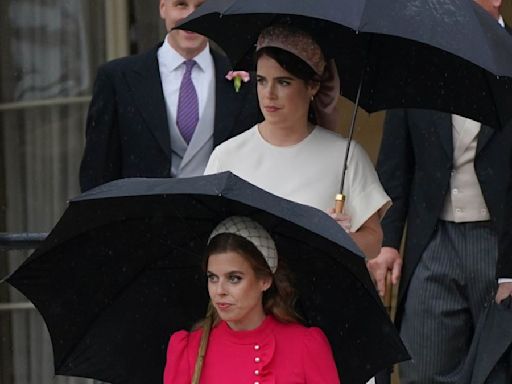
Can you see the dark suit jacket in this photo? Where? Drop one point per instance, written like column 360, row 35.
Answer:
column 127, row 132
column 414, row 166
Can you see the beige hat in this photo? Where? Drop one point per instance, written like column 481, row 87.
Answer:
column 295, row 41
column 252, row 231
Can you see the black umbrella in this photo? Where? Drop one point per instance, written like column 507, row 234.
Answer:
column 121, row 271
column 489, row 359
column 436, row 54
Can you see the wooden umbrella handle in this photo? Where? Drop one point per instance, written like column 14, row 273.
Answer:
column 388, row 296
column 339, row 203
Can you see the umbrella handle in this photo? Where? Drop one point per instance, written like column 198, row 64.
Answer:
column 339, row 203
column 388, row 296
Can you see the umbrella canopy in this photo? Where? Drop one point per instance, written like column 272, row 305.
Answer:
column 439, row 54
column 121, row 271
column 489, row 359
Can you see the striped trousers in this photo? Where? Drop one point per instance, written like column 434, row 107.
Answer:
column 454, row 280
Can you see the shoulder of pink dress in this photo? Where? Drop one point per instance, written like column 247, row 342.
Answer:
column 295, row 328
column 179, row 336
column 317, row 334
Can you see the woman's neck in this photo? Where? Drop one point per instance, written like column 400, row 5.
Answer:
column 247, row 324
column 283, row 135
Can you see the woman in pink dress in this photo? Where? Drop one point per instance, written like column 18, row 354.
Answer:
column 251, row 333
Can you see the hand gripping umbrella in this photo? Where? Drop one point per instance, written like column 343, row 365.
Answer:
column 121, row 271
column 436, row 54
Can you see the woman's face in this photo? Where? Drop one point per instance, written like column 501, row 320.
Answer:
column 283, row 98
column 235, row 290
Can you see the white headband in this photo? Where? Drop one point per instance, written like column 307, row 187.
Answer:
column 252, row 231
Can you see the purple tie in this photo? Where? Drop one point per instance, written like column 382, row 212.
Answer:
column 188, row 105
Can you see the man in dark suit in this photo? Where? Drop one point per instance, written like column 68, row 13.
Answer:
column 161, row 113
column 447, row 177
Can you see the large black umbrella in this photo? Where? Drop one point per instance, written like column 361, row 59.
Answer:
column 489, row 359
column 121, row 271
column 436, row 54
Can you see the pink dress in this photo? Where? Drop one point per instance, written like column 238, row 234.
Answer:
column 273, row 353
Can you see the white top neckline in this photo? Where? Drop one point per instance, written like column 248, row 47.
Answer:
column 304, row 141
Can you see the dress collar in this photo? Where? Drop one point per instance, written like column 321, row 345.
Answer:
column 248, row 337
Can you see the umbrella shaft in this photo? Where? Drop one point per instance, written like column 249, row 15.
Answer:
column 351, row 132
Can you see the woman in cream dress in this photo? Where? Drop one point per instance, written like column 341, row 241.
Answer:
column 293, row 158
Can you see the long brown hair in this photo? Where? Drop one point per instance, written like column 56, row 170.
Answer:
column 278, row 300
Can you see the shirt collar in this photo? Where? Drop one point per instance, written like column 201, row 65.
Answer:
column 170, row 59
column 501, row 21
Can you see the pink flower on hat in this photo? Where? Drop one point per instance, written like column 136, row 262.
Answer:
column 238, row 77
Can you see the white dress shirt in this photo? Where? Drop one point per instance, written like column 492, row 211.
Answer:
column 172, row 69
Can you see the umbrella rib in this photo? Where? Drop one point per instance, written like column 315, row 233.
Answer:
column 228, row 8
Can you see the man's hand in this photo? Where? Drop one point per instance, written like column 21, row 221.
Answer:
column 388, row 260
column 504, row 291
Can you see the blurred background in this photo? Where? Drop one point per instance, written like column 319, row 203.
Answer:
column 49, row 53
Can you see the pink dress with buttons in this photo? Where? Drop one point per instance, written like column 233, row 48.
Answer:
column 273, row 353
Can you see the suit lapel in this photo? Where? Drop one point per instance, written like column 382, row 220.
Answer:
column 443, row 122
column 225, row 99
column 145, row 82
column 484, row 135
